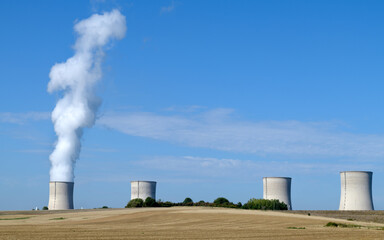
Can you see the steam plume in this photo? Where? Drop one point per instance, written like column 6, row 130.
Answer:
column 77, row 78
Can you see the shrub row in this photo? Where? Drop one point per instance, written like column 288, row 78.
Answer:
column 265, row 204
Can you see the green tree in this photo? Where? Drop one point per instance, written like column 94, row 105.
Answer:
column 135, row 203
column 221, row 201
column 201, row 203
column 150, row 202
column 165, row 204
column 265, row 204
column 188, row 202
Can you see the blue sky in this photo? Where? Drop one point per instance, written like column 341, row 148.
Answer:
column 204, row 97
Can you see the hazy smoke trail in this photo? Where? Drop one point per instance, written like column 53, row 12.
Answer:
column 77, row 78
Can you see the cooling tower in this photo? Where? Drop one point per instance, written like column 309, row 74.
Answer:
column 278, row 188
column 356, row 190
column 60, row 195
column 143, row 189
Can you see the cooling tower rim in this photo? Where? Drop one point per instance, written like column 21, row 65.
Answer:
column 278, row 177
column 356, row 172
column 143, row 181
column 61, row 182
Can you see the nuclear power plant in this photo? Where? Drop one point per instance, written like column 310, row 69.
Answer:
column 60, row 195
column 356, row 190
column 143, row 189
column 278, row 188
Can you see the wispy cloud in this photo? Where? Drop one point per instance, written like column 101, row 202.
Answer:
column 184, row 109
column 218, row 129
column 244, row 169
column 168, row 9
column 21, row 118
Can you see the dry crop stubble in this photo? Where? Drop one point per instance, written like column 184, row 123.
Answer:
column 176, row 223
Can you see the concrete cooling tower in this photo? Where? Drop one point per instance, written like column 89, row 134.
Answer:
column 60, row 195
column 356, row 190
column 143, row 189
column 278, row 188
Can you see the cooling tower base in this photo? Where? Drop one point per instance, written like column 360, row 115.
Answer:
column 356, row 190
column 60, row 195
column 143, row 189
column 278, row 188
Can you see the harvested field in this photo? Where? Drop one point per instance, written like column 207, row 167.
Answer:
column 178, row 223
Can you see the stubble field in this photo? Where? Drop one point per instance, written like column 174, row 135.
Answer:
column 180, row 223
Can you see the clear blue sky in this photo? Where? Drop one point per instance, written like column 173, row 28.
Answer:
column 204, row 97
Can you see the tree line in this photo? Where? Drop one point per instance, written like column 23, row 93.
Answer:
column 258, row 204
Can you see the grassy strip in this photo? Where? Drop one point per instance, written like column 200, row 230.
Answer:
column 60, row 218
column 343, row 225
column 19, row 218
column 376, row 228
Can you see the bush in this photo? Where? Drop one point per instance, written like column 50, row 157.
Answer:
column 165, row 204
column 104, row 207
column 135, row 203
column 343, row 225
column 221, row 201
column 200, row 203
column 188, row 202
column 265, row 204
column 331, row 224
column 45, row 208
column 150, row 202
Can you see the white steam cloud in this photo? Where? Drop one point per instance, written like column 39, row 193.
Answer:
column 77, row 78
